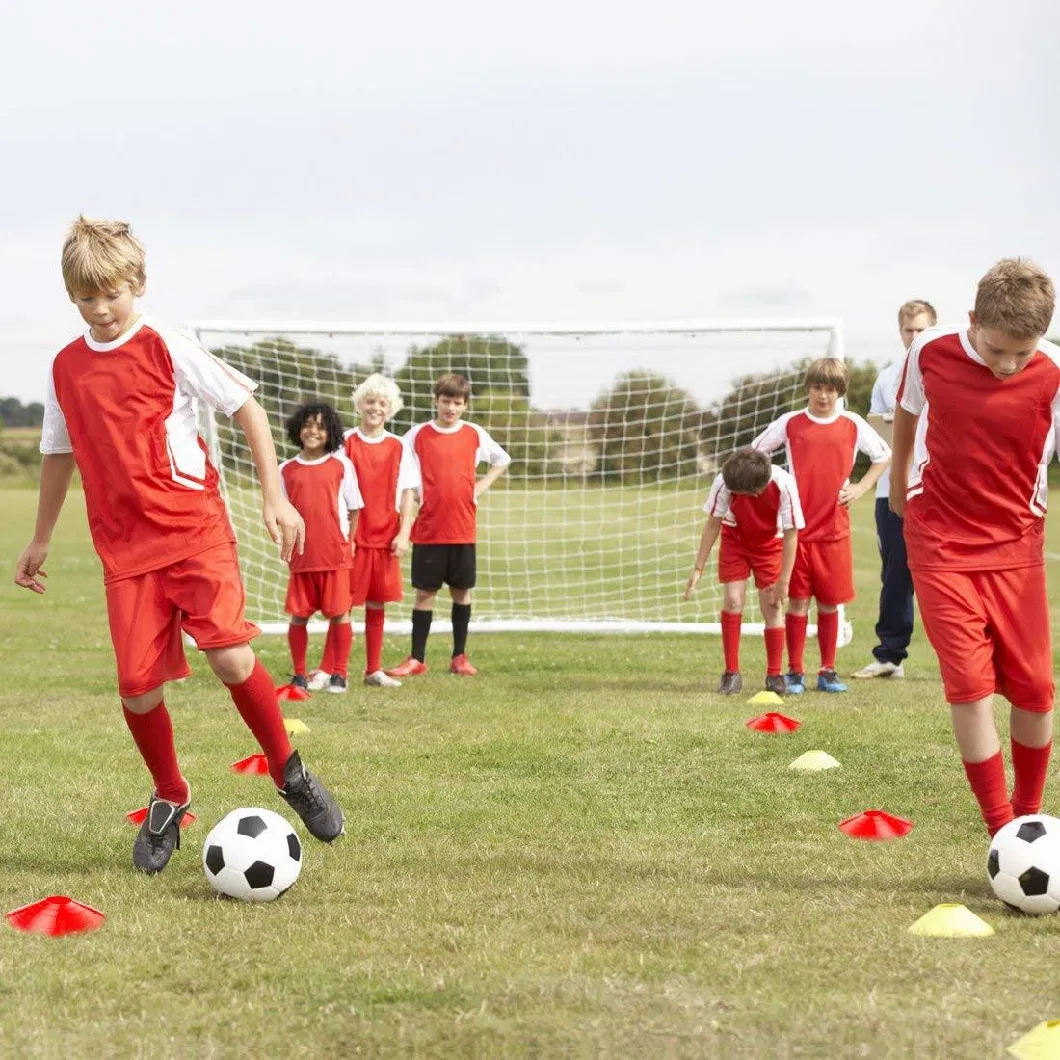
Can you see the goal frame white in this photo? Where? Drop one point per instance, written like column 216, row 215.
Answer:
column 832, row 326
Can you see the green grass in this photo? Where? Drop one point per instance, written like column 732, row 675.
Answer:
column 583, row 852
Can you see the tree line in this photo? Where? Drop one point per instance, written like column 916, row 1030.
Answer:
column 641, row 427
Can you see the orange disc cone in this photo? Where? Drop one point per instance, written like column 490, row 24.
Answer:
column 875, row 824
column 140, row 815
column 290, row 692
column 55, row 915
column 254, row 766
column 773, row 722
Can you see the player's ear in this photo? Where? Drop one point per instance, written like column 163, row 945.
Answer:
column 971, row 318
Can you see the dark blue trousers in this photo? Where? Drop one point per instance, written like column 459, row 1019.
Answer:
column 894, row 629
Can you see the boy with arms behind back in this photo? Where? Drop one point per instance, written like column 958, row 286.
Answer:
column 754, row 505
column 978, row 418
column 120, row 404
column 822, row 443
column 446, row 452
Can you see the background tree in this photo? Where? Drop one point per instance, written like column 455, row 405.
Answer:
column 14, row 414
column 645, row 428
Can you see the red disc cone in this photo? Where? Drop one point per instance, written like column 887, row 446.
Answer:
column 55, row 915
column 773, row 722
column 138, row 817
column 875, row 824
column 290, row 692
column 254, row 765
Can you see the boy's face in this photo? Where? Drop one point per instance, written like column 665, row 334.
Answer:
column 374, row 410
column 822, row 399
column 450, row 409
column 1005, row 355
column 910, row 327
column 314, row 435
column 108, row 313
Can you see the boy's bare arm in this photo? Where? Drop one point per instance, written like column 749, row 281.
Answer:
column 901, row 457
column 400, row 545
column 774, row 595
column 56, row 470
column 854, row 491
column 285, row 526
column 487, row 480
column 711, row 529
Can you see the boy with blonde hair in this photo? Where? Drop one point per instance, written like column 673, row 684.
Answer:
column 754, row 506
column 446, row 451
column 977, row 423
column 894, row 625
column 388, row 480
column 120, row 404
column 821, row 443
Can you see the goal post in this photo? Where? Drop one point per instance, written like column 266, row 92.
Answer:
column 616, row 431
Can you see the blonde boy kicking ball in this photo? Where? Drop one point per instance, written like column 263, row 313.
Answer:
column 446, row 451
column 120, row 405
column 976, row 425
column 754, row 506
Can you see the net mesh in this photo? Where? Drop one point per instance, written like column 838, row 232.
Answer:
column 615, row 437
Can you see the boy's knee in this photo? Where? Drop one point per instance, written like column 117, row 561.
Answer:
column 145, row 703
column 233, row 665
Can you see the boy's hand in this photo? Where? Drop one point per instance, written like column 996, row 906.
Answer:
column 775, row 595
column 896, row 500
column 399, row 546
column 851, row 492
column 478, row 489
column 285, row 526
column 693, row 581
column 28, row 567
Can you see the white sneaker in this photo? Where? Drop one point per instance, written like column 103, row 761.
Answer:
column 874, row 669
column 318, row 681
column 381, row 680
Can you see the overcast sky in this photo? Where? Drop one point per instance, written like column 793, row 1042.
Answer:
column 573, row 160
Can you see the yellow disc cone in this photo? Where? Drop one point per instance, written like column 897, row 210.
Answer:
column 765, row 697
column 951, row 921
column 294, row 726
column 814, row 762
column 1041, row 1043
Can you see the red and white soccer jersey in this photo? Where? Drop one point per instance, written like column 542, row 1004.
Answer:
column 820, row 454
column 125, row 410
column 978, row 486
column 385, row 469
column 446, row 458
column 760, row 520
column 324, row 492
column 753, row 527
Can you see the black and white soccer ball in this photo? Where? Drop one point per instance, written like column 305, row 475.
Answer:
column 252, row 854
column 1024, row 864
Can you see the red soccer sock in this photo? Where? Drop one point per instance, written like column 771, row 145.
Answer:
column 1030, row 766
column 153, row 735
column 730, row 639
column 988, row 785
column 337, row 647
column 827, row 637
column 327, row 661
column 373, row 639
column 298, row 642
column 795, row 634
column 774, row 650
column 255, row 699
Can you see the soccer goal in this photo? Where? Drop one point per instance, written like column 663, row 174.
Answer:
column 616, row 432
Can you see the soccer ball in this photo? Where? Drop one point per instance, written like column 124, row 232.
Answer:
column 252, row 854
column 1024, row 864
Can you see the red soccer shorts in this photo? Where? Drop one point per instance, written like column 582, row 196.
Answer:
column 736, row 562
column 376, row 576
column 326, row 591
column 204, row 594
column 825, row 571
column 991, row 632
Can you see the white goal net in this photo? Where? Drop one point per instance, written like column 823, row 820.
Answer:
column 615, row 432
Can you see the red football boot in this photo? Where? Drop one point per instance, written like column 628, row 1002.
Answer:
column 411, row 667
column 462, row 667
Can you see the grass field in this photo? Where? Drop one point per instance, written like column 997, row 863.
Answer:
column 582, row 852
